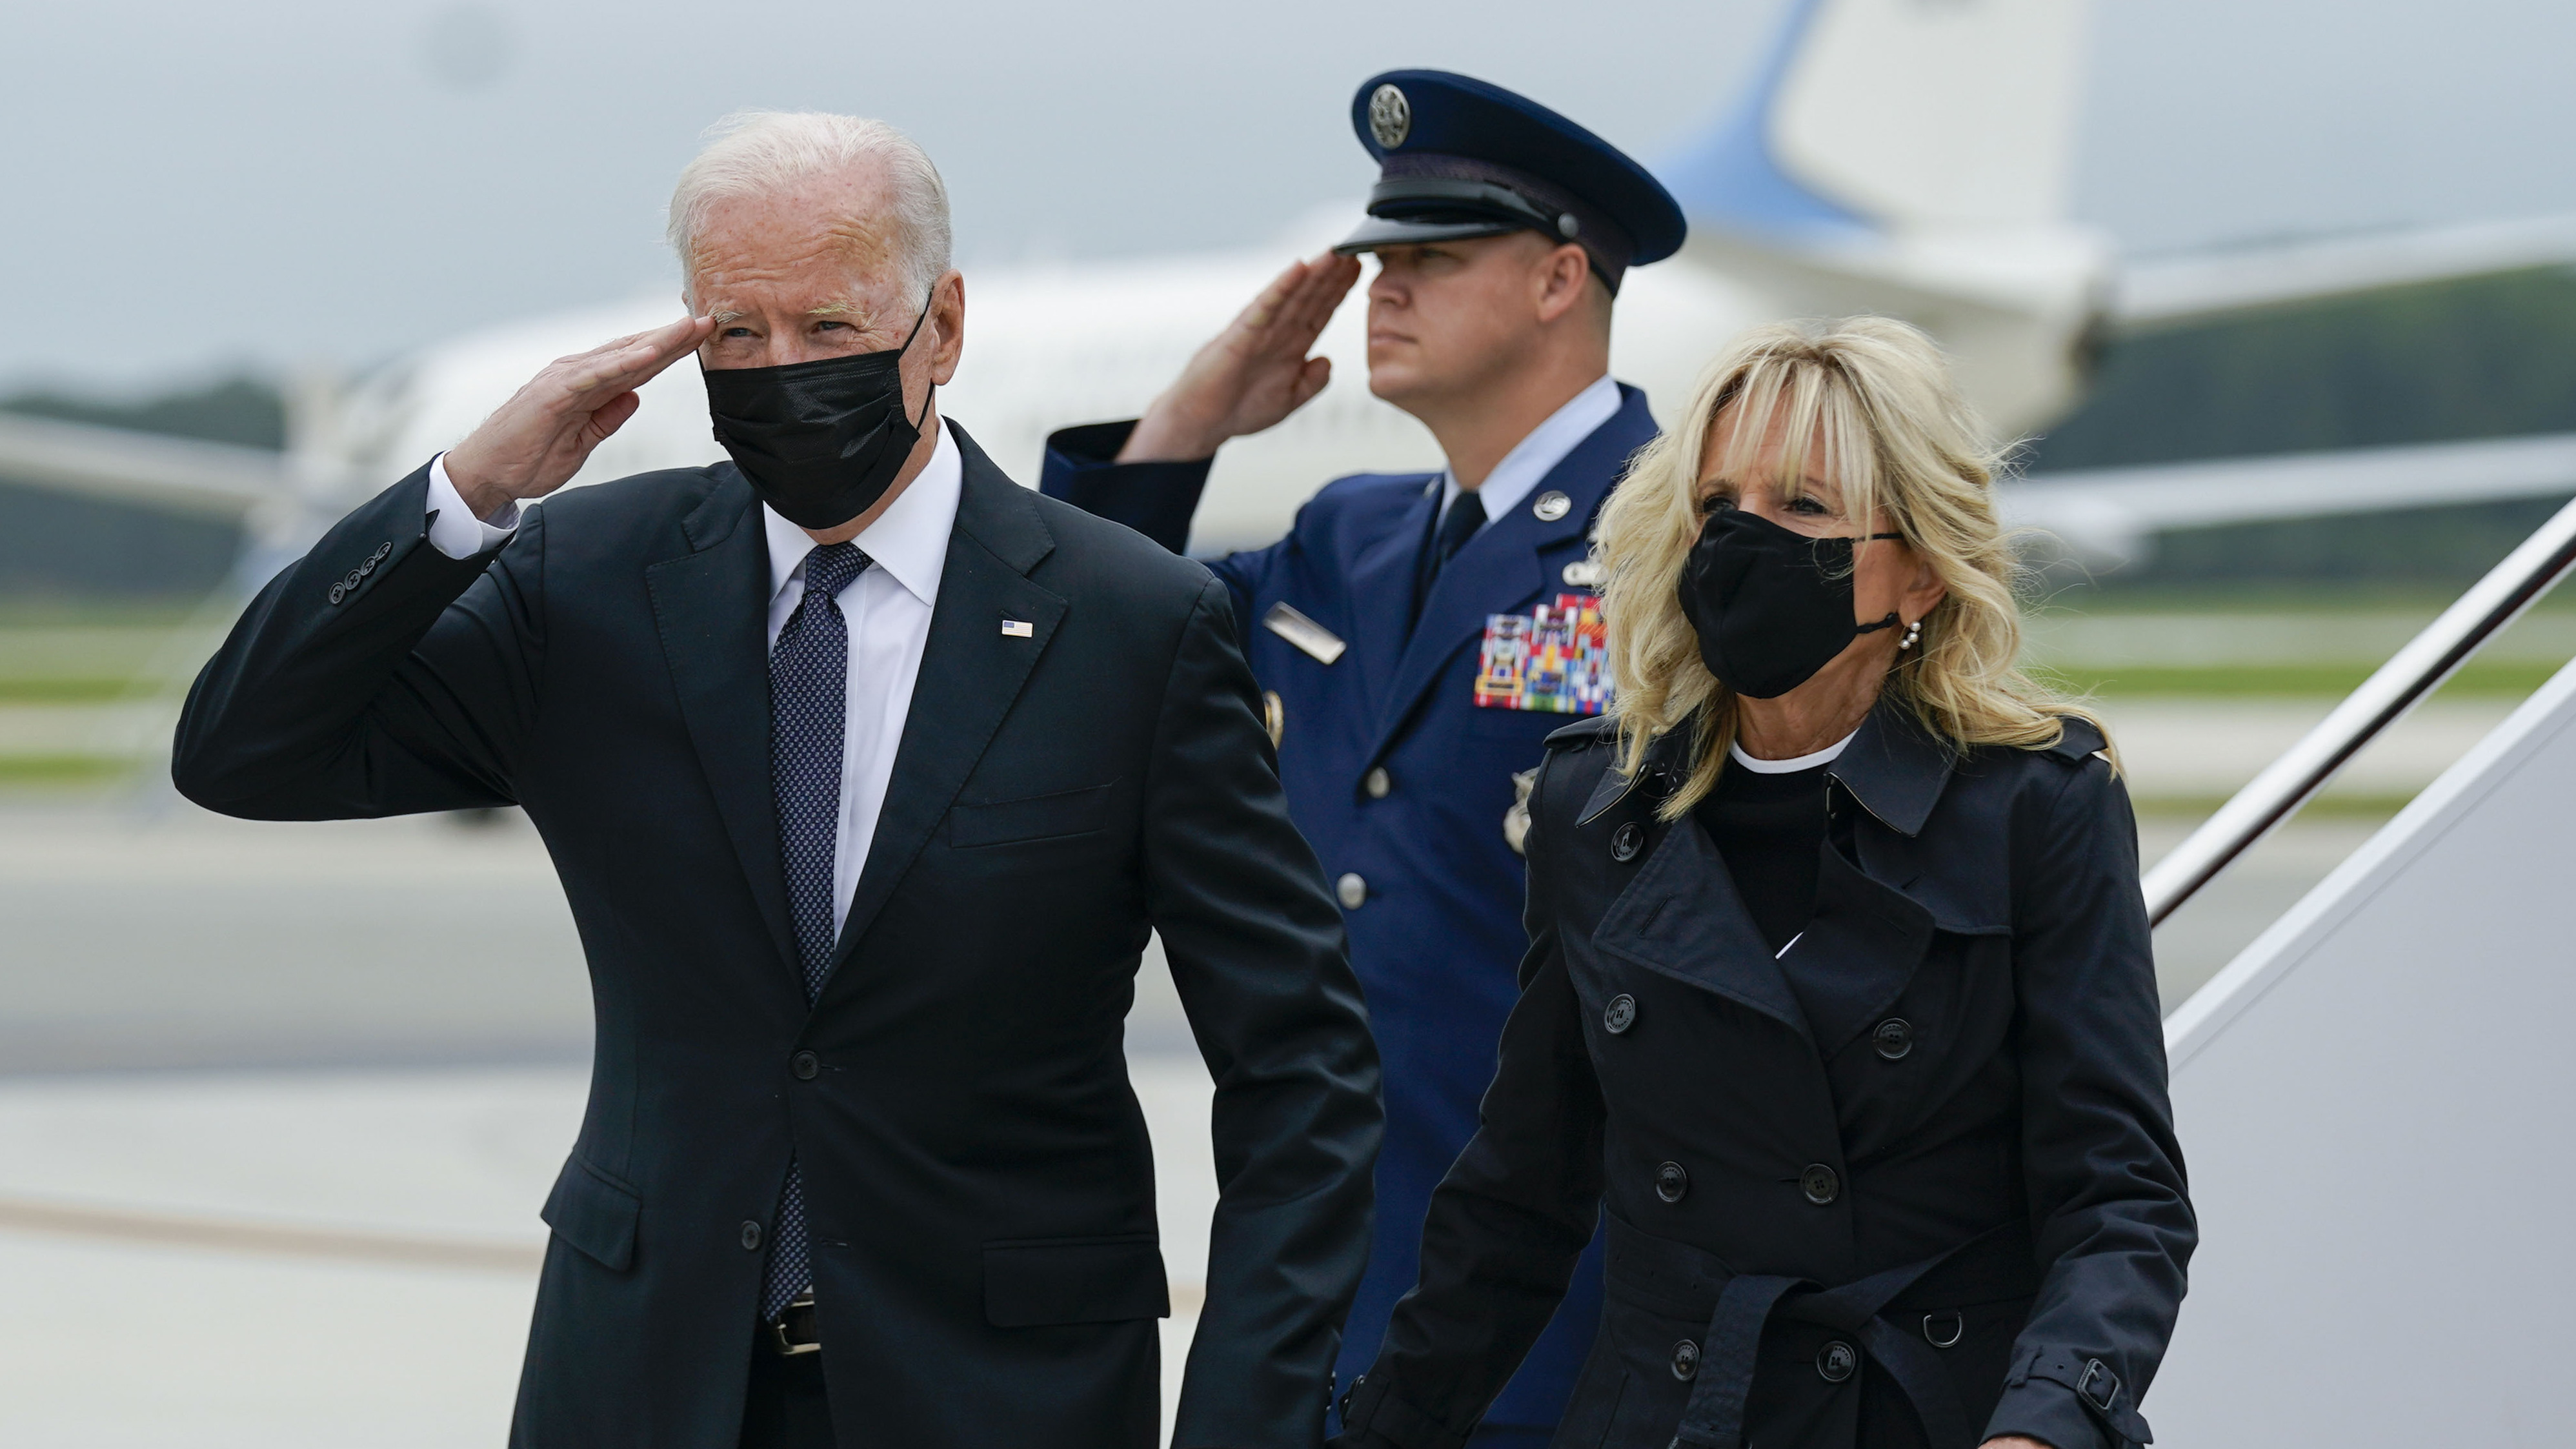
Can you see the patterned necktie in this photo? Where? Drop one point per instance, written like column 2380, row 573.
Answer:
column 1457, row 526
column 809, row 684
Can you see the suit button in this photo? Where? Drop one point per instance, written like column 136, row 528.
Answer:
column 1671, row 1182
column 1820, row 1184
column 1835, row 1362
column 1377, row 783
column 751, row 1237
column 805, row 1065
column 1685, row 1360
column 1352, row 891
column 1893, row 1038
column 1626, row 841
column 1620, row 1015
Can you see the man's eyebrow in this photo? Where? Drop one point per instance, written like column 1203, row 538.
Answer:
column 833, row 309
column 722, row 315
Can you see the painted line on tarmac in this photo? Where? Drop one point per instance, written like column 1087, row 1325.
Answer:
column 238, row 1235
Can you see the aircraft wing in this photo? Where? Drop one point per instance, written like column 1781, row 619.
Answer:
column 2167, row 291
column 181, row 473
column 2110, row 515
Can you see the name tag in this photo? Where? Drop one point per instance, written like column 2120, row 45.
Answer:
column 1305, row 633
column 1554, row 658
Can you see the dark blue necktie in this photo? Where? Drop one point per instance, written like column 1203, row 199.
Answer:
column 1457, row 526
column 809, row 684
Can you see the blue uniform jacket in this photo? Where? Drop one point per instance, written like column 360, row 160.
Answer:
column 1438, row 939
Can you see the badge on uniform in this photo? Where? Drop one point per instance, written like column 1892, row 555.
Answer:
column 1554, row 658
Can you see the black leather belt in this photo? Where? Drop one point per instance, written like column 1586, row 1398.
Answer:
column 795, row 1332
column 1992, row 1266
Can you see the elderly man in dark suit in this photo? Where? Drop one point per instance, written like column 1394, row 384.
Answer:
column 867, row 773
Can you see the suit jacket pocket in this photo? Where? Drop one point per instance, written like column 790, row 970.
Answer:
column 1074, row 1280
column 594, row 1214
column 1036, row 817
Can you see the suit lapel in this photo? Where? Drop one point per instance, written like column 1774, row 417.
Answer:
column 1382, row 587
column 970, row 672
column 712, row 608
column 1499, row 569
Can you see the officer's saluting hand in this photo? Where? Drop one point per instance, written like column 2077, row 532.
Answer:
column 1253, row 374
column 1416, row 636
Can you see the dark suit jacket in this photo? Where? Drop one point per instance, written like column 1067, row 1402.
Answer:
column 1959, row 1067
column 977, row 1174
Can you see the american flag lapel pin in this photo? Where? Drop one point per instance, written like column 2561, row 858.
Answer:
column 1018, row 629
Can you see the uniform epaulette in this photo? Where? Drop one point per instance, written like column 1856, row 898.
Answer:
column 1600, row 729
column 2080, row 739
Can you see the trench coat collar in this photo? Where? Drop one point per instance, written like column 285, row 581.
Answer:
column 1895, row 767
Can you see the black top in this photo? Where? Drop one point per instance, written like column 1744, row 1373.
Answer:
column 1768, row 829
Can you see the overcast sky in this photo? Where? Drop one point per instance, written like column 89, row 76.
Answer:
column 193, row 187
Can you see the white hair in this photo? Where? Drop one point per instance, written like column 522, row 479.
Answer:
column 750, row 152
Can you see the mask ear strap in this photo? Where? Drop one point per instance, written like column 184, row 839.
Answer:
column 1889, row 622
column 933, row 390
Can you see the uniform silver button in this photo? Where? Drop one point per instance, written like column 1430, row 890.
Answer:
column 1352, row 890
column 1551, row 506
column 1835, row 1362
column 1377, row 783
column 1820, row 1184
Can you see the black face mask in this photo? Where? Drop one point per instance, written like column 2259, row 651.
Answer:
column 820, row 441
column 1771, row 606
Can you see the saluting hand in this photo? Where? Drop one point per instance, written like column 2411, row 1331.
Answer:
column 1252, row 374
column 533, row 444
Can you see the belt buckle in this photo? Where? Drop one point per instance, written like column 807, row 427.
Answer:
column 793, row 1333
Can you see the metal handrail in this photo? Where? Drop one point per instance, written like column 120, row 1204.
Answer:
column 2383, row 699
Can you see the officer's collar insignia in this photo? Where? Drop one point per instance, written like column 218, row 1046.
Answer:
column 1390, row 116
column 1551, row 506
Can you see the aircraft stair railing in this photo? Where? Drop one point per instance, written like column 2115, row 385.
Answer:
column 2410, row 674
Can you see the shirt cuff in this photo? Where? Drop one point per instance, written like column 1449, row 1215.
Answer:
column 453, row 528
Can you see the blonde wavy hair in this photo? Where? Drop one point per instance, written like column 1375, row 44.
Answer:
column 1874, row 398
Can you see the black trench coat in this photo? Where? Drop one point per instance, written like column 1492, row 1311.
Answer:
column 1938, row 1201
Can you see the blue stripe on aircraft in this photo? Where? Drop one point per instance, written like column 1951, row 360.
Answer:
column 1730, row 177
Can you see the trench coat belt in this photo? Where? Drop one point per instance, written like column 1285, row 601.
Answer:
column 1995, row 1264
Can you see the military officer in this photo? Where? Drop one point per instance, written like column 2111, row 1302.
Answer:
column 1418, row 635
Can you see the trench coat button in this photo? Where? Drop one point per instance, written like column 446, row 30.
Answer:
column 1685, row 1360
column 1820, row 1184
column 1626, row 841
column 1351, row 890
column 1620, row 1014
column 1835, row 1362
column 751, row 1237
column 805, row 1065
column 1377, row 783
column 1893, row 1038
column 1671, row 1182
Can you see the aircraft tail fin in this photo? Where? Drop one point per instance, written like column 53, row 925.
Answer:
column 1876, row 116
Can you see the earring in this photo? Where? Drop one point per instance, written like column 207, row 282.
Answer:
column 1913, row 636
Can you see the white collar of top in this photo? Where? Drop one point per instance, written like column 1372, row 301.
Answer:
column 1536, row 456
column 1825, row 756
column 909, row 540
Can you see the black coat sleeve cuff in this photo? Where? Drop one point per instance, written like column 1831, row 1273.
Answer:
column 2068, row 1401
column 1155, row 499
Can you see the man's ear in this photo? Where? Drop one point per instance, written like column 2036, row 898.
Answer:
column 1562, row 278
column 948, row 313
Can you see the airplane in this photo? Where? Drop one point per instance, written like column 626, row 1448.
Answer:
column 1855, row 174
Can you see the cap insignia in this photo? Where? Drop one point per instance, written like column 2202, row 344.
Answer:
column 1390, row 116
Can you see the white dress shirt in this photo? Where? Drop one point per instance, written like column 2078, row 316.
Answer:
column 1536, row 456
column 888, row 609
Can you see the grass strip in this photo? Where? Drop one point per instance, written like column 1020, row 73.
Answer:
column 2500, row 679
column 64, row 769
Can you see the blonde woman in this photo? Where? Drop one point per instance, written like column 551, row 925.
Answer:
column 1839, row 990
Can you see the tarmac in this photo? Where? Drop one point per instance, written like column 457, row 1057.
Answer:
column 278, row 1103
